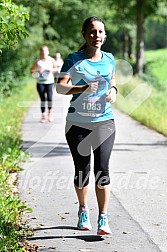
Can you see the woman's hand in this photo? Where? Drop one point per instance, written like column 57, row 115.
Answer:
column 111, row 95
column 62, row 87
column 92, row 87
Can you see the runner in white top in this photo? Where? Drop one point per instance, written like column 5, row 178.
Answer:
column 45, row 67
column 59, row 61
column 59, row 64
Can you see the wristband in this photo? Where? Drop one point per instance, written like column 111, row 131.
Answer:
column 115, row 89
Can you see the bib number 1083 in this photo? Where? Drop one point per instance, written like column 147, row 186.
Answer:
column 93, row 106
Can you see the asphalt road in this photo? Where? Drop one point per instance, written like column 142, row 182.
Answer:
column 138, row 204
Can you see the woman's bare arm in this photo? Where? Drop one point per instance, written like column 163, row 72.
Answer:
column 63, row 86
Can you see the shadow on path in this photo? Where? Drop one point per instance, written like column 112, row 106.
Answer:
column 51, row 149
column 86, row 238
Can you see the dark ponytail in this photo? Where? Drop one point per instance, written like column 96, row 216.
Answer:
column 82, row 47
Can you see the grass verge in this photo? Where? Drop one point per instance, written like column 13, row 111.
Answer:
column 11, row 155
column 144, row 103
column 145, row 99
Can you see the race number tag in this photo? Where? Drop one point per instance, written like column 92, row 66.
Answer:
column 94, row 104
column 43, row 76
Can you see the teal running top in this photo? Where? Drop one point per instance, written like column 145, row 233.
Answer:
column 86, row 108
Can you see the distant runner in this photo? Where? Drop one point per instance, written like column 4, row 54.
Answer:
column 45, row 67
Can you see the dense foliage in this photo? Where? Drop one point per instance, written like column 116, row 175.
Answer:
column 58, row 24
column 12, row 21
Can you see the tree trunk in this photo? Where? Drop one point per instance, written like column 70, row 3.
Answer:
column 125, row 45
column 140, row 4
column 129, row 47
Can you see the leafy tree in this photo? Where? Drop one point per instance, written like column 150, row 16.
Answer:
column 136, row 12
column 12, row 32
column 156, row 29
column 58, row 23
column 12, row 20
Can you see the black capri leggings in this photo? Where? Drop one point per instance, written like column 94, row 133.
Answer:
column 45, row 92
column 81, row 138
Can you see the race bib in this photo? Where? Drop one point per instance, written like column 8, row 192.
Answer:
column 94, row 104
column 44, row 76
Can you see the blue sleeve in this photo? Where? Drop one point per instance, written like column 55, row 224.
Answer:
column 68, row 65
column 111, row 60
column 113, row 65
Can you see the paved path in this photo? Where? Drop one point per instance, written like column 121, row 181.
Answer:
column 138, row 204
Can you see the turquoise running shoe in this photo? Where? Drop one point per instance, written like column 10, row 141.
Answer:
column 103, row 226
column 83, row 220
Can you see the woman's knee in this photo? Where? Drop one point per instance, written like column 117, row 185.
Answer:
column 102, row 178
column 81, row 179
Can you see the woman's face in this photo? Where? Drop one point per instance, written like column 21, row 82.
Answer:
column 95, row 34
column 44, row 52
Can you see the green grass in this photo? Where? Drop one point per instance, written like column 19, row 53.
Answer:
column 11, row 155
column 11, row 116
column 156, row 65
column 152, row 111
